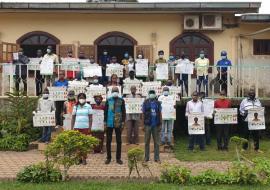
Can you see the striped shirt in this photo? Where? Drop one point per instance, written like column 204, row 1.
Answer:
column 82, row 116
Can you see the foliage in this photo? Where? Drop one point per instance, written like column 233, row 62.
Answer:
column 68, row 148
column 238, row 141
column 212, row 177
column 136, row 156
column 14, row 142
column 39, row 173
column 262, row 168
column 175, row 174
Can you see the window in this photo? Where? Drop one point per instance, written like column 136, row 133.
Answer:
column 261, row 47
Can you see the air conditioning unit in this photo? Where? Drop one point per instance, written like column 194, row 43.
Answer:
column 212, row 22
column 191, row 22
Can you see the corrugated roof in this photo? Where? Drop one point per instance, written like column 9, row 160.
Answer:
column 127, row 7
column 255, row 18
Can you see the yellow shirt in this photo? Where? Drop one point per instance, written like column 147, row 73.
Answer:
column 161, row 60
column 202, row 66
column 125, row 61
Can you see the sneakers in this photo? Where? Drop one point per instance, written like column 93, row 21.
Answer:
column 120, row 162
column 108, row 161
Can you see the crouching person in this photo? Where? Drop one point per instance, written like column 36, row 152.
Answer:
column 152, row 121
column 82, row 119
column 45, row 105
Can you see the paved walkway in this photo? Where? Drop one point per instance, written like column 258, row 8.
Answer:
column 12, row 162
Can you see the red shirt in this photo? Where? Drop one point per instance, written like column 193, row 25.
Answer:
column 222, row 103
column 98, row 107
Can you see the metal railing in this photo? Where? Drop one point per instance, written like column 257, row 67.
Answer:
column 238, row 79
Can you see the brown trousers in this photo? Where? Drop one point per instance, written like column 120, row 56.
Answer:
column 133, row 131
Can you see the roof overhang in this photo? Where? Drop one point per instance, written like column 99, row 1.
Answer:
column 256, row 18
column 123, row 7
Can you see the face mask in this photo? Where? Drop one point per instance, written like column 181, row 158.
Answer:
column 82, row 101
column 166, row 93
column 126, row 55
column 140, row 56
column 95, row 81
column 171, row 57
column 202, row 56
column 71, row 98
column 105, row 53
column 130, row 59
column 160, row 56
column 20, row 53
column 45, row 96
column 98, row 101
column 115, row 94
column 92, row 61
column 223, row 57
column 49, row 51
column 152, row 96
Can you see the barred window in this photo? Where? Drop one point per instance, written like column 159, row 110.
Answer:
column 261, row 47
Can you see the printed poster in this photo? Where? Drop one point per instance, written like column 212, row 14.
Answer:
column 162, row 71
column 225, row 116
column 58, row 93
column 46, row 66
column 147, row 86
column 196, row 124
column 208, row 107
column 141, row 67
column 98, row 120
column 41, row 119
column 256, row 119
column 92, row 70
column 134, row 105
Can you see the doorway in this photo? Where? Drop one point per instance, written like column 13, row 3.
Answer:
column 116, row 44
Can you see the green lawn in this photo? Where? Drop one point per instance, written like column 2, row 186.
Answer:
column 211, row 152
column 116, row 186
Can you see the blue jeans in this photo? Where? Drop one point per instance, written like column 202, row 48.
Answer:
column 46, row 134
column 184, row 83
column 196, row 138
column 166, row 131
column 154, row 131
column 204, row 80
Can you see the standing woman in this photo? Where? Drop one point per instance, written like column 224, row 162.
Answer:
column 82, row 118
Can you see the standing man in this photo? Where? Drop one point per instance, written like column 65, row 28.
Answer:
column 103, row 61
column 195, row 106
column 21, row 70
column 133, row 120
column 222, row 68
column 114, row 118
column 54, row 57
column 248, row 103
column 152, row 119
column 222, row 129
column 159, row 60
column 59, row 105
column 39, row 78
column 183, row 78
column 171, row 64
column 167, row 123
column 202, row 66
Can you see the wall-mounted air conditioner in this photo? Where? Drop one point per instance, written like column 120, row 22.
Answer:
column 191, row 22
column 212, row 22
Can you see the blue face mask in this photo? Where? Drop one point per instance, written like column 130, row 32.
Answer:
column 115, row 94
column 171, row 57
column 166, row 93
column 202, row 56
column 98, row 101
column 126, row 55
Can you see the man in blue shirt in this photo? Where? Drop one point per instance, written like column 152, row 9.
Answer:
column 222, row 67
column 59, row 105
column 103, row 61
column 152, row 120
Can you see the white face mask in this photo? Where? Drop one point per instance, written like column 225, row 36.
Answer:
column 45, row 96
column 160, row 56
column 223, row 57
column 140, row 56
column 115, row 94
column 82, row 101
column 49, row 51
column 166, row 93
column 105, row 53
column 95, row 81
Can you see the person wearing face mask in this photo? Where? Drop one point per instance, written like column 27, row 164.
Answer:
column 62, row 82
column 50, row 55
column 125, row 60
column 129, row 66
column 160, row 59
column 195, row 106
column 171, row 63
column 167, row 123
column 104, row 59
column 45, row 105
column 152, row 118
column 140, row 57
column 114, row 119
column 98, row 131
column 68, row 108
column 248, row 103
column 39, row 79
column 222, row 130
column 222, row 67
column 183, row 77
column 21, row 70
column 70, row 74
column 95, row 82
column 82, row 119
column 202, row 66
column 131, row 78
column 133, row 121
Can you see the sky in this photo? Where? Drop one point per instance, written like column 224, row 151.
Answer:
column 263, row 10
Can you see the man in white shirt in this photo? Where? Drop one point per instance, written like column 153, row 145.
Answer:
column 249, row 103
column 183, row 78
column 167, row 123
column 195, row 106
column 202, row 66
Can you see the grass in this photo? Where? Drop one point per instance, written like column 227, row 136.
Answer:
column 117, row 186
column 211, row 153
